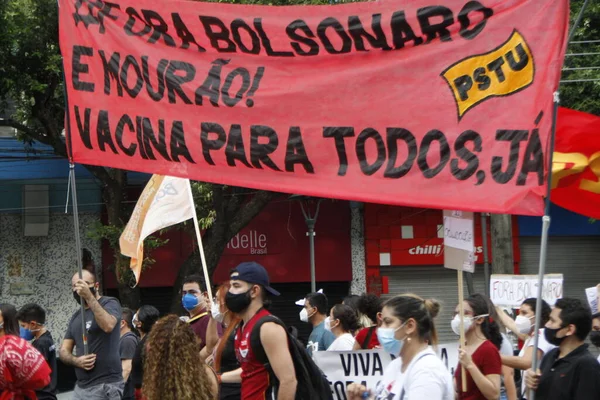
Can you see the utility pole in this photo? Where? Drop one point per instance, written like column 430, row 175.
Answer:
column 502, row 244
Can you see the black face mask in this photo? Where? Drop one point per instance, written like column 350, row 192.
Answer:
column 550, row 335
column 595, row 338
column 78, row 297
column 238, row 302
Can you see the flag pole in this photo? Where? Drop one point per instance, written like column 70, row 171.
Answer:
column 78, row 249
column 546, row 217
column 199, row 238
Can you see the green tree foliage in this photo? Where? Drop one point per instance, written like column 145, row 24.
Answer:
column 583, row 96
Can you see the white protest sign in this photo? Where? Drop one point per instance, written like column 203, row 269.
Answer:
column 345, row 367
column 592, row 298
column 458, row 232
column 511, row 290
column 459, row 245
column 448, row 353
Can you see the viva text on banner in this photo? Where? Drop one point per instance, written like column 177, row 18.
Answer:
column 363, row 101
column 342, row 368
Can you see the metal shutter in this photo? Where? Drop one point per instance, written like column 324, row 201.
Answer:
column 577, row 258
column 432, row 282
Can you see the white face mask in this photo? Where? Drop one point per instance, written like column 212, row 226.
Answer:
column 328, row 324
column 523, row 324
column 467, row 322
column 304, row 315
column 215, row 310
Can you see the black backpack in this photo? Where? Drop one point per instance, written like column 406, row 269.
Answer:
column 312, row 383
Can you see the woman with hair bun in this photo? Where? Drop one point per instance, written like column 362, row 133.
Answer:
column 407, row 330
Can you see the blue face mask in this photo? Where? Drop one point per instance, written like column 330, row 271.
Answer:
column 26, row 334
column 189, row 302
column 386, row 337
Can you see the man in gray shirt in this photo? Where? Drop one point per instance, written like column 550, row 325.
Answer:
column 99, row 373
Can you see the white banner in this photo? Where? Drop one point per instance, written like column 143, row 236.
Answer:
column 345, row 367
column 511, row 290
column 367, row 366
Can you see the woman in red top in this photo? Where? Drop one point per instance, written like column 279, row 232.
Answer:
column 370, row 306
column 480, row 357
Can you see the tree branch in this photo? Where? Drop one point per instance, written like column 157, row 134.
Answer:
column 248, row 211
column 11, row 123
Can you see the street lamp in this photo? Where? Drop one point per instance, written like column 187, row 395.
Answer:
column 311, row 220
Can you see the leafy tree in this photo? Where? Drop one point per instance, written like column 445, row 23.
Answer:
column 583, row 95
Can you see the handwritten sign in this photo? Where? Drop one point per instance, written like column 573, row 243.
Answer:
column 459, row 244
column 512, row 290
column 448, row 353
column 592, row 298
column 458, row 233
column 345, row 367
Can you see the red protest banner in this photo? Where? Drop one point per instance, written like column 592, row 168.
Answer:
column 576, row 163
column 431, row 104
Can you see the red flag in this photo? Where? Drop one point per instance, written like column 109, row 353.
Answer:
column 576, row 163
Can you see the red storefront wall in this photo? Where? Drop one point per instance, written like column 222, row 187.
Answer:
column 384, row 235
column 276, row 238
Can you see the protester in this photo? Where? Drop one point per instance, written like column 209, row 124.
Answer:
column 22, row 368
column 32, row 319
column 224, row 360
column 9, row 324
column 353, row 301
column 369, row 305
column 408, row 330
column 480, row 356
column 595, row 334
column 99, row 373
column 173, row 369
column 314, row 312
column 568, row 371
column 508, row 388
column 524, row 328
column 143, row 321
column 193, row 299
column 248, row 297
column 343, row 324
column 127, row 346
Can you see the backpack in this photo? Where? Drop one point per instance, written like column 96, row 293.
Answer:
column 312, row 383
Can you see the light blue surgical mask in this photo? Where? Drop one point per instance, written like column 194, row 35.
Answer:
column 26, row 334
column 388, row 341
column 189, row 302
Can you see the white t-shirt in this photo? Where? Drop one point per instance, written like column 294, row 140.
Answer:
column 599, row 359
column 343, row 343
column 543, row 345
column 425, row 378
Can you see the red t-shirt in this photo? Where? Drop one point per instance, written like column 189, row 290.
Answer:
column 487, row 359
column 255, row 377
column 362, row 336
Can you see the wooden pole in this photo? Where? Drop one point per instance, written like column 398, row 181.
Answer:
column 461, row 310
column 199, row 238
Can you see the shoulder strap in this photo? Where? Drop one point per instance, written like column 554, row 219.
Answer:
column 408, row 373
column 365, row 344
column 257, row 347
column 197, row 317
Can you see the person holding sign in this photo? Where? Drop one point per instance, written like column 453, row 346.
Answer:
column 524, row 328
column 407, row 329
column 480, row 357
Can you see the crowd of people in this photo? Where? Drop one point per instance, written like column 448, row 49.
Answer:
column 232, row 347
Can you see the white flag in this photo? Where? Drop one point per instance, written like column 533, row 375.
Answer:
column 165, row 201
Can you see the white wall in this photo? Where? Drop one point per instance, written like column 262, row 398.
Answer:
column 47, row 266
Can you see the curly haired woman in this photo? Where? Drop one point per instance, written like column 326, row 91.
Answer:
column 173, row 369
